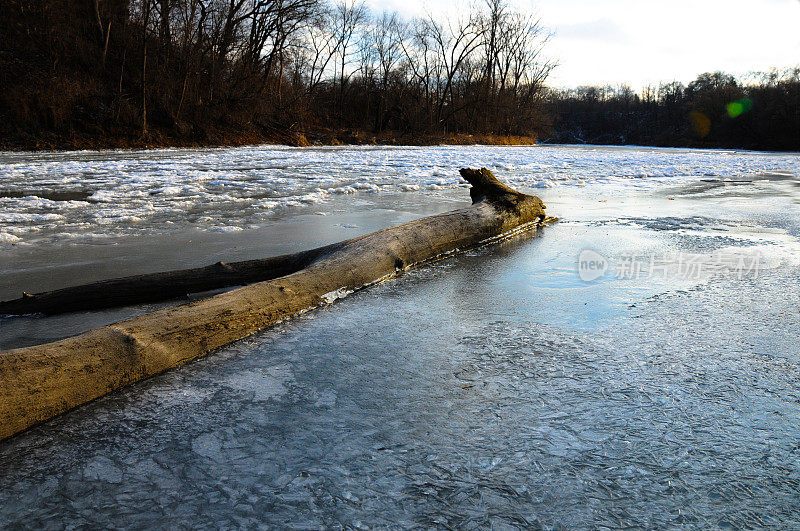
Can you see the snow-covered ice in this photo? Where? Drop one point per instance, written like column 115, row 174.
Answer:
column 137, row 192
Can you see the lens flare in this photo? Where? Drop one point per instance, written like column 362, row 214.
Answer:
column 701, row 124
column 739, row 107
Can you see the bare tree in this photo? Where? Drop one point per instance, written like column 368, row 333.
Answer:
column 349, row 15
column 454, row 45
column 147, row 10
column 321, row 43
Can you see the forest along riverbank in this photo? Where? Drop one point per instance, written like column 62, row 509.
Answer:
column 635, row 365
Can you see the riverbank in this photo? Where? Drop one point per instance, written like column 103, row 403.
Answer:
column 252, row 136
column 324, row 137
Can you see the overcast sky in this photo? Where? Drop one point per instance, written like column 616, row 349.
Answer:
column 641, row 41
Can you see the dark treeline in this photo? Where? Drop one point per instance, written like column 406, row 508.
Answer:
column 93, row 73
column 119, row 72
column 715, row 110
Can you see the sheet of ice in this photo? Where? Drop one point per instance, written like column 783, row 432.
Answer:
column 492, row 389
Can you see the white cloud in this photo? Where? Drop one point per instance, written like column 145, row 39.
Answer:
column 605, row 30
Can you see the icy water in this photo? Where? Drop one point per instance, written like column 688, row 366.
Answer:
column 635, row 365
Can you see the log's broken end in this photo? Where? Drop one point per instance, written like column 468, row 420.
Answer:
column 484, row 184
column 487, row 187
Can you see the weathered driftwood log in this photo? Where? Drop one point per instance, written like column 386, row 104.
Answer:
column 37, row 383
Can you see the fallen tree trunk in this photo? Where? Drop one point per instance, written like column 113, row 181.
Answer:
column 42, row 381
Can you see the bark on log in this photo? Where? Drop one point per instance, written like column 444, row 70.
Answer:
column 42, row 381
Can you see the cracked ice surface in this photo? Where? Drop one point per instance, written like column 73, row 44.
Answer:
column 491, row 389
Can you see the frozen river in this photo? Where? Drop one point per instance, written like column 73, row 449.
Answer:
column 637, row 364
